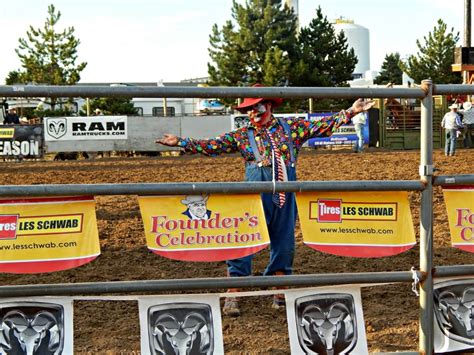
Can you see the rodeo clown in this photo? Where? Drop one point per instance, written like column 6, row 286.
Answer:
column 270, row 147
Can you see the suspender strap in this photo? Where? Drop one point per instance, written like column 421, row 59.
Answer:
column 253, row 143
column 253, row 146
column 287, row 129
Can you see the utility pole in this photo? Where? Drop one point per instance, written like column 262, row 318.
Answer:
column 467, row 35
column 464, row 62
column 467, row 23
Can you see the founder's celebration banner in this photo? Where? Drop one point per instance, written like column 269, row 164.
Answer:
column 460, row 208
column 204, row 227
column 47, row 234
column 357, row 224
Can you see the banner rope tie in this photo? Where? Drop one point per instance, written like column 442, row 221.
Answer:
column 416, row 281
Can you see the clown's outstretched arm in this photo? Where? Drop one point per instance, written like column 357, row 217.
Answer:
column 168, row 139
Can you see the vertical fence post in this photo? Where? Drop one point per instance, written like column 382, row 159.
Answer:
column 88, row 107
column 165, row 107
column 382, row 122
column 426, row 337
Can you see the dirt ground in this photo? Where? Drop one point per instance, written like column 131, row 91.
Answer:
column 391, row 312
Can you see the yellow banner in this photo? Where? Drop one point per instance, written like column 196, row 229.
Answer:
column 204, row 227
column 47, row 234
column 358, row 224
column 7, row 132
column 460, row 208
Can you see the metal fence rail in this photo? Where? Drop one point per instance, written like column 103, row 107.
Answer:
column 204, row 92
column 224, row 282
column 207, row 187
column 449, row 180
column 425, row 185
column 227, row 92
column 203, row 283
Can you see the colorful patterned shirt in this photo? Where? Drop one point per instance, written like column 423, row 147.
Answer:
column 238, row 140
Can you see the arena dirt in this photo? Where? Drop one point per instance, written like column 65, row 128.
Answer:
column 390, row 311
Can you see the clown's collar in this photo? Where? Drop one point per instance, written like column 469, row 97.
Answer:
column 271, row 122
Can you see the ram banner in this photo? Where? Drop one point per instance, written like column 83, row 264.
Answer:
column 460, row 208
column 453, row 307
column 357, row 224
column 47, row 234
column 85, row 128
column 326, row 320
column 180, row 324
column 204, row 227
column 42, row 325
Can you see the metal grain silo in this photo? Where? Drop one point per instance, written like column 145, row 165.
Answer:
column 293, row 4
column 357, row 38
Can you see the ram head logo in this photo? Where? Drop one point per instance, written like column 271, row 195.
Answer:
column 326, row 324
column 181, row 330
column 455, row 313
column 37, row 333
column 56, row 127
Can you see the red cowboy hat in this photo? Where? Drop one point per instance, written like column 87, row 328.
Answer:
column 250, row 101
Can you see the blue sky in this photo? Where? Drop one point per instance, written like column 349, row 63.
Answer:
column 153, row 40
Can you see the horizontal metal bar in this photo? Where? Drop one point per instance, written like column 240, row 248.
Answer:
column 454, row 270
column 204, row 92
column 447, row 180
column 203, row 284
column 221, row 92
column 447, row 89
column 224, row 282
column 205, row 187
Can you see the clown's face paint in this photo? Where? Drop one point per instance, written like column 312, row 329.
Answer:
column 260, row 113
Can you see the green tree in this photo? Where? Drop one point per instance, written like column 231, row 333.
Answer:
column 324, row 60
column 257, row 46
column 324, row 57
column 435, row 57
column 14, row 77
column 48, row 56
column 113, row 106
column 391, row 71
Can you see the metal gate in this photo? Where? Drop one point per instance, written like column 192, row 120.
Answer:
column 400, row 122
column 425, row 125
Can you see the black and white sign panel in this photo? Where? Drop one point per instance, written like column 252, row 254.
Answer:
column 85, row 128
column 454, row 315
column 188, row 324
column 21, row 141
column 326, row 321
column 36, row 326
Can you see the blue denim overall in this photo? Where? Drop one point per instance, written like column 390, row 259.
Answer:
column 280, row 221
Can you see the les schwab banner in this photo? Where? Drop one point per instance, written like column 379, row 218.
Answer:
column 357, row 224
column 47, row 234
column 460, row 208
column 204, row 227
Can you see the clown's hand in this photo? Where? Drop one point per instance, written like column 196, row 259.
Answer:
column 168, row 139
column 361, row 105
